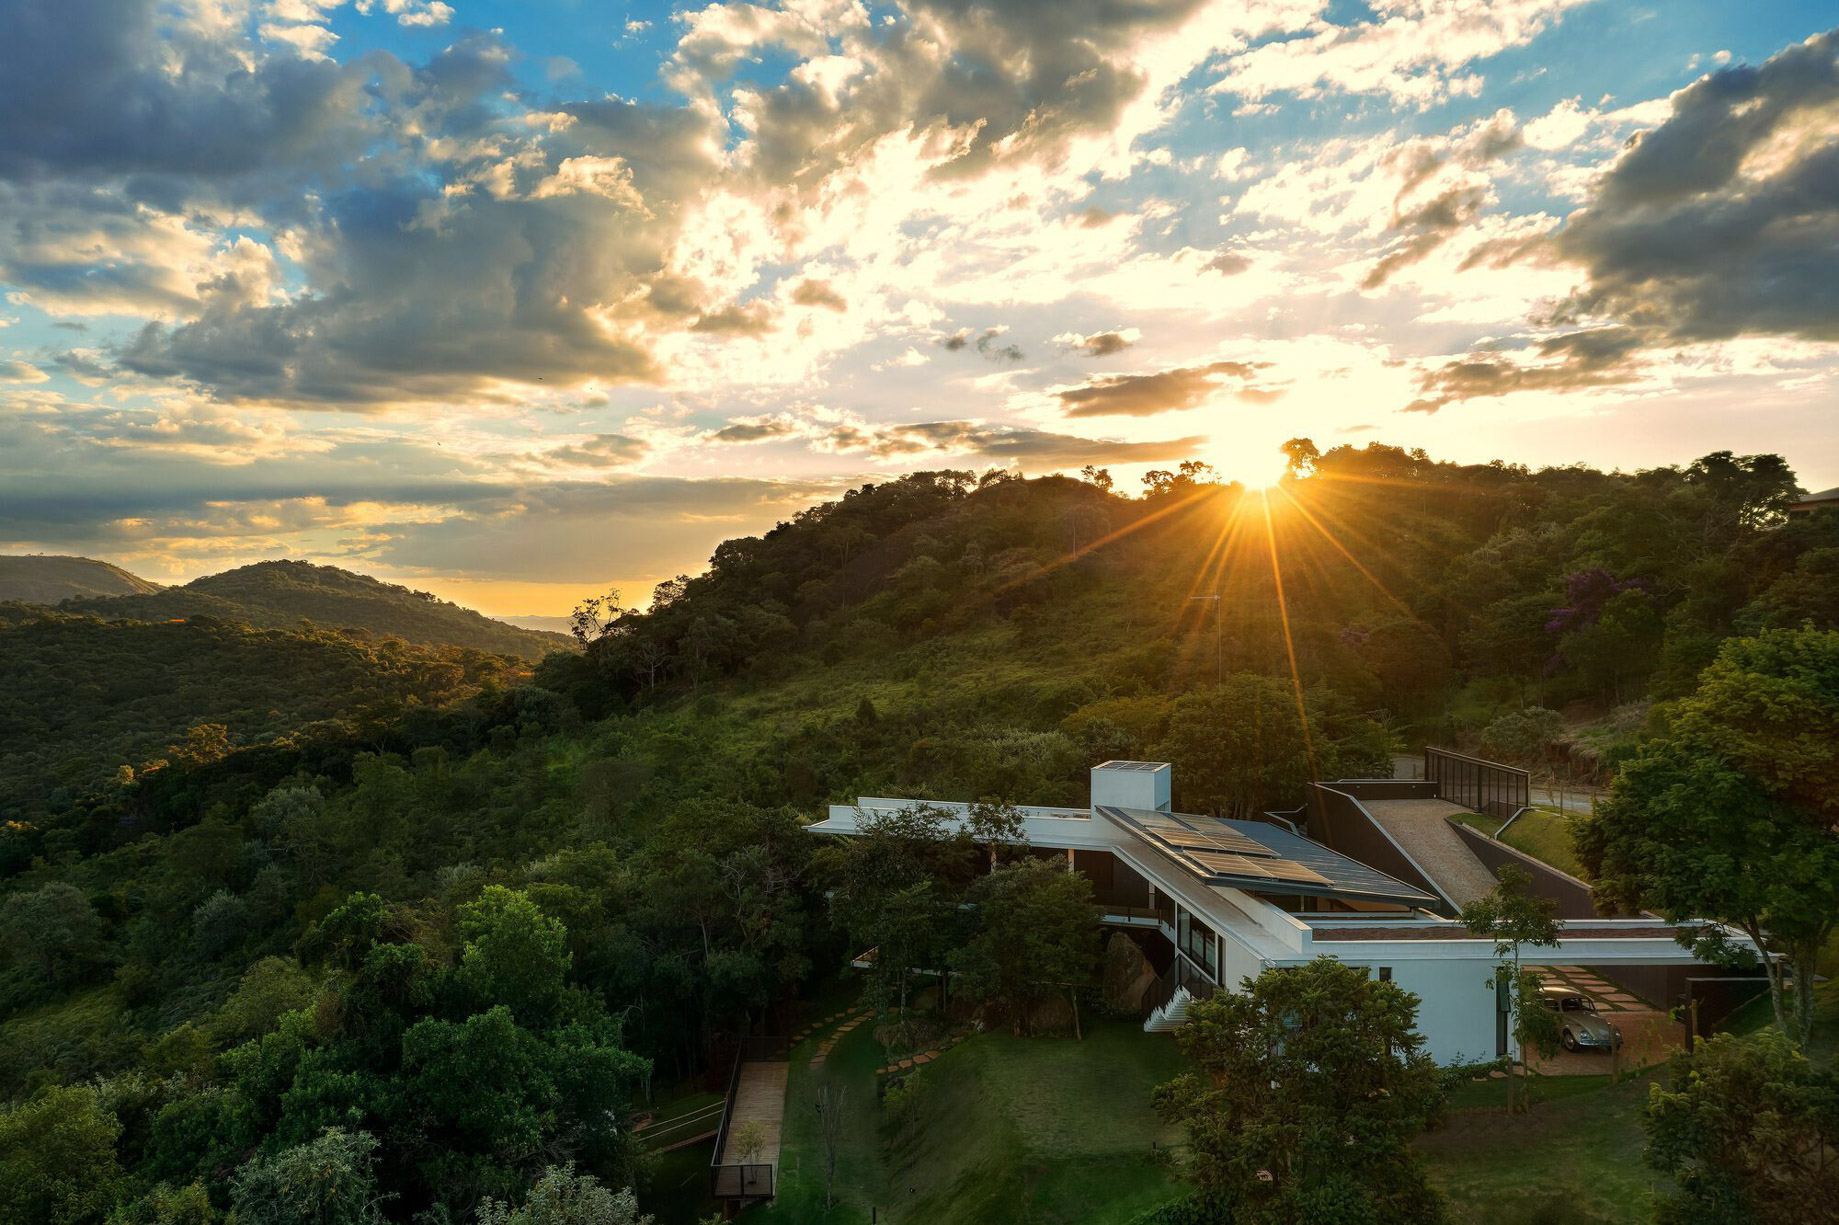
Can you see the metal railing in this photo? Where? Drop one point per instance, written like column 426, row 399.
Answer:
column 1485, row 786
column 742, row 1179
column 1179, row 974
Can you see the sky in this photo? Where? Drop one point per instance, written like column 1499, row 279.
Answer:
column 516, row 300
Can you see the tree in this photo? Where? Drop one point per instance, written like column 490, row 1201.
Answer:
column 563, row 1197
column 1728, row 816
column 219, row 923
column 595, row 617
column 327, row 1181
column 57, row 1159
column 749, row 1140
column 1242, row 746
column 1770, row 705
column 1307, row 1087
column 167, row 1205
column 52, row 929
column 1513, row 916
column 1300, row 457
column 1035, row 936
column 514, row 955
column 1748, row 1132
column 830, row 1124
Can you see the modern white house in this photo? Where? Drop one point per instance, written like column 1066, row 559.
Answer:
column 1212, row 902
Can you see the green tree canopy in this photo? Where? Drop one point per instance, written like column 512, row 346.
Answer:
column 1747, row 1130
column 1720, row 818
column 1307, row 1087
column 57, row 1159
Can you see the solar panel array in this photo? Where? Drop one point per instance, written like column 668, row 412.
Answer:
column 1270, row 860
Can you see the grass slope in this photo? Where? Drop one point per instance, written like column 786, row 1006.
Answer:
column 998, row 1129
column 280, row 594
column 1576, row 1157
column 1546, row 836
column 47, row 580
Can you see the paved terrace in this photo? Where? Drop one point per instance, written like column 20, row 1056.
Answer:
column 1422, row 828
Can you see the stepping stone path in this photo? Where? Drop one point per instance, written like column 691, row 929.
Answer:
column 924, row 1057
column 1608, row 996
column 856, row 1017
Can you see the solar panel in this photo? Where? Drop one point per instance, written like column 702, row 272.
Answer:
column 1160, row 822
column 1221, row 840
column 1221, row 864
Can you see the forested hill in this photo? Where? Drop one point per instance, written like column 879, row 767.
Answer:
column 455, row 921
column 280, row 594
column 84, row 702
column 43, row 579
column 1438, row 595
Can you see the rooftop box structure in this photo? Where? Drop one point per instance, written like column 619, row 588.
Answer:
column 1132, row 784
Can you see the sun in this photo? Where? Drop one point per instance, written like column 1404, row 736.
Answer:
column 1255, row 464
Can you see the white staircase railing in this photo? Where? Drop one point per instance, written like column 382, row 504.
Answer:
column 1171, row 1015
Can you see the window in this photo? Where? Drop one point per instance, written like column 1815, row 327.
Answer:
column 1385, row 974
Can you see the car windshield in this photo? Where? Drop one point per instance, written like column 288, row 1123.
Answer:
column 1576, row 1003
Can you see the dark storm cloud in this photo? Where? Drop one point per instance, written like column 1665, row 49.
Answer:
column 1724, row 220
column 1721, row 222
column 107, row 87
column 1145, row 395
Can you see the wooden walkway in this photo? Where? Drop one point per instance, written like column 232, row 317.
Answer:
column 759, row 1098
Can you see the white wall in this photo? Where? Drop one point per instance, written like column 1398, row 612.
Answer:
column 1455, row 1005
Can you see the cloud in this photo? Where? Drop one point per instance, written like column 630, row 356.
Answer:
column 1100, row 344
column 757, row 430
column 601, row 451
column 1145, row 395
column 1227, row 263
column 984, row 343
column 1721, row 222
column 1581, row 361
column 819, row 293
column 1038, row 449
column 752, row 319
column 1413, row 53
column 1426, row 227
column 21, row 372
column 1724, row 220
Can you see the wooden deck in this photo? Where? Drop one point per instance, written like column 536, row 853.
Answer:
column 759, row 1098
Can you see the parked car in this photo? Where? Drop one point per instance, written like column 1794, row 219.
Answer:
column 1580, row 1025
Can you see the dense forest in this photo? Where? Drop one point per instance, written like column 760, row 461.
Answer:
column 435, row 928
column 282, row 594
column 84, row 702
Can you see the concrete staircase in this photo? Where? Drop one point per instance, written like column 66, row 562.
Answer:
column 1171, row 1015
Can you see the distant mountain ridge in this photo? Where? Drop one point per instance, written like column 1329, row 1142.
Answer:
column 280, row 594
column 49, row 579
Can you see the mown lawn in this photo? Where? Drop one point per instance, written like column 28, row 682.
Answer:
column 999, row 1129
column 1574, row 1158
